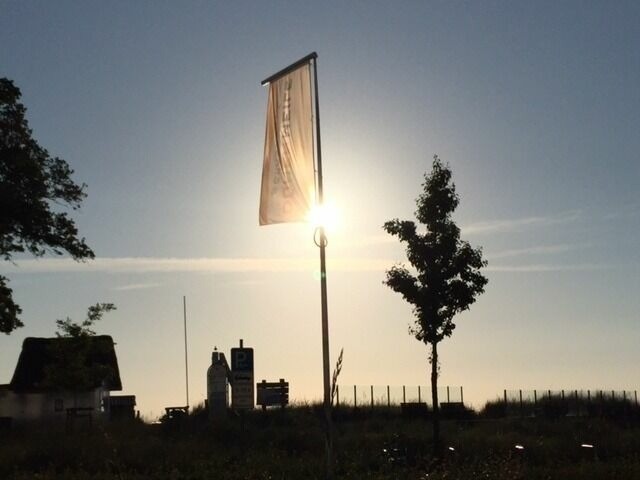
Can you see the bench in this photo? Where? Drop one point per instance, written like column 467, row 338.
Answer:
column 270, row 394
column 453, row 409
column 414, row 409
column 176, row 413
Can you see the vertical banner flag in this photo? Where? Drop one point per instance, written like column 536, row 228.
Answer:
column 288, row 182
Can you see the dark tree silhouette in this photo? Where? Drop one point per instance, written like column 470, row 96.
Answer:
column 69, row 328
column 447, row 276
column 32, row 183
column 73, row 367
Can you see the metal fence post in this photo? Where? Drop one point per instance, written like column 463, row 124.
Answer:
column 355, row 401
column 448, row 398
column 505, row 396
column 388, row 397
column 371, row 396
column 419, row 397
column 535, row 398
column 461, row 395
column 404, row 394
column 562, row 393
column 521, row 411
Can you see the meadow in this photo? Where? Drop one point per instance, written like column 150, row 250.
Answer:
column 371, row 443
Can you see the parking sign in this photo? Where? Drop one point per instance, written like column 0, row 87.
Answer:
column 242, row 389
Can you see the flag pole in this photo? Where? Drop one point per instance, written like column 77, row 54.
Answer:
column 322, row 243
column 323, row 286
column 290, row 68
column 186, row 358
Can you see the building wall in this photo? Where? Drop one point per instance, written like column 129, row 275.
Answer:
column 25, row 407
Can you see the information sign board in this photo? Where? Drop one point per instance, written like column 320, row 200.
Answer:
column 242, row 360
column 242, row 388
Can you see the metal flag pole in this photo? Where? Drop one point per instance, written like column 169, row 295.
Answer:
column 323, row 285
column 322, row 243
column 186, row 361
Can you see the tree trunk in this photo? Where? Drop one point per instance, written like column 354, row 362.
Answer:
column 434, row 398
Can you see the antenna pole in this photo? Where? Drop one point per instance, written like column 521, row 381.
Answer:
column 186, row 360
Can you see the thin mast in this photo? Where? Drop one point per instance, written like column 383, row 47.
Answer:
column 186, row 361
column 323, row 244
column 323, row 286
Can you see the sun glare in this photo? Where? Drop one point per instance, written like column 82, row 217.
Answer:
column 324, row 216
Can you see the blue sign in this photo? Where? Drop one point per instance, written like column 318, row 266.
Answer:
column 242, row 360
column 242, row 378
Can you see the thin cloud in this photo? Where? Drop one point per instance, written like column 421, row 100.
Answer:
column 155, row 265
column 136, row 286
column 245, row 283
column 194, row 265
column 518, row 224
column 626, row 211
column 367, row 241
column 478, row 228
column 547, row 268
column 539, row 250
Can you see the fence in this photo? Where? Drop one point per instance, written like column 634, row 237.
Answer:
column 393, row 395
column 566, row 402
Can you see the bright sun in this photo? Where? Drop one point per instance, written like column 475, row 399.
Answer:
column 324, row 216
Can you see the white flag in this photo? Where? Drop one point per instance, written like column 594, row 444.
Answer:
column 288, row 184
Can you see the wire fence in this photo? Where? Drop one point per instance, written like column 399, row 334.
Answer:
column 567, row 402
column 394, row 395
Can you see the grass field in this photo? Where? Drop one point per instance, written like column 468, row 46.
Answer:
column 374, row 443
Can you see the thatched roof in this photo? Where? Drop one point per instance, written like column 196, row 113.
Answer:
column 38, row 355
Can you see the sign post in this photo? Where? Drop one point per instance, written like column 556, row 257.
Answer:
column 242, row 393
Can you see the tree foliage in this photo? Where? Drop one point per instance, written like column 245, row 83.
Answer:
column 69, row 328
column 72, row 367
column 445, row 278
column 34, row 189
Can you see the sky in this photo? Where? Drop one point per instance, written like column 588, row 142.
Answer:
column 158, row 108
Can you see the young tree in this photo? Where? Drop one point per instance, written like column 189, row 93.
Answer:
column 447, row 276
column 69, row 328
column 31, row 183
column 72, row 367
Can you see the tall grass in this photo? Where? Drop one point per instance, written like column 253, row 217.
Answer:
column 560, row 405
column 372, row 443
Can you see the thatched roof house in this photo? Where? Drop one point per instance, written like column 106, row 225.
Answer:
column 38, row 355
column 61, row 375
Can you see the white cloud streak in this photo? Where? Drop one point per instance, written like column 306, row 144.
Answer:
column 547, row 268
column 482, row 228
column 518, row 224
column 136, row 286
column 624, row 211
column 193, row 265
column 151, row 265
column 539, row 250
column 367, row 241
